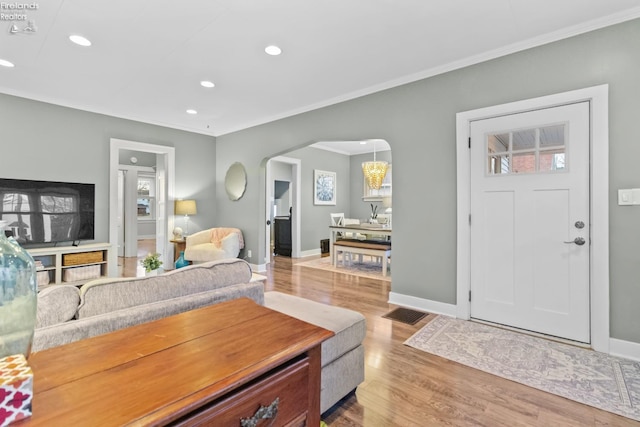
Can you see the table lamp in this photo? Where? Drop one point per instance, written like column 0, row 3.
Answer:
column 186, row 208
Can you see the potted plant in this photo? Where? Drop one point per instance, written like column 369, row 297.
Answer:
column 151, row 263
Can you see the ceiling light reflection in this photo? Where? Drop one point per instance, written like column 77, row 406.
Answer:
column 273, row 50
column 80, row 40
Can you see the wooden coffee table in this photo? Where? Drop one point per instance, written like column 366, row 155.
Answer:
column 215, row 365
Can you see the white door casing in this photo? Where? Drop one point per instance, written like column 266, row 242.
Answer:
column 599, row 204
column 529, row 196
column 120, row 210
column 167, row 154
column 295, row 189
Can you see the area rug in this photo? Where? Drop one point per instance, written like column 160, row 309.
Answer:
column 586, row 376
column 362, row 269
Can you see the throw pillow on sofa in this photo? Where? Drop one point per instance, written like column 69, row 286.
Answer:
column 57, row 304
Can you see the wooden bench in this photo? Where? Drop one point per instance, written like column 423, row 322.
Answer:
column 353, row 246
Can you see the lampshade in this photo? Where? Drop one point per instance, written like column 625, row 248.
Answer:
column 185, row 207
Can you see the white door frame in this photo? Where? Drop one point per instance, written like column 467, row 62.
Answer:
column 165, row 211
column 296, row 178
column 597, row 96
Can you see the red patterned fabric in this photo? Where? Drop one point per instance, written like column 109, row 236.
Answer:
column 16, row 389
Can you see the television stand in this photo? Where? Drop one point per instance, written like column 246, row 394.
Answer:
column 57, row 260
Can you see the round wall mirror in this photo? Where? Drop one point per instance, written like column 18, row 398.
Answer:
column 235, row 182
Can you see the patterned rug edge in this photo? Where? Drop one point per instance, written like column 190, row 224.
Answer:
column 626, row 408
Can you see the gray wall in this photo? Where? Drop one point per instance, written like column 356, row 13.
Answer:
column 49, row 142
column 315, row 219
column 144, row 159
column 418, row 121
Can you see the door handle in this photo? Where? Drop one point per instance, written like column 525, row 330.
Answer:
column 578, row 241
column 268, row 222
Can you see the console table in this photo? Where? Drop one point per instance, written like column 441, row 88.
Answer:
column 179, row 245
column 215, row 365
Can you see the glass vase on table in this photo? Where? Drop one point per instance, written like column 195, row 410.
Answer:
column 18, row 297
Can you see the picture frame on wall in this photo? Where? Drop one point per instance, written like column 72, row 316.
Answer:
column 324, row 187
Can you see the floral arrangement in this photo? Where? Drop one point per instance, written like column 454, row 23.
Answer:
column 151, row 262
column 374, row 211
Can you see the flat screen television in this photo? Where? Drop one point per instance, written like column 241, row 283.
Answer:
column 47, row 212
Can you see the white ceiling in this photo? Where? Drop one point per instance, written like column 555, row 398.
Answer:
column 148, row 56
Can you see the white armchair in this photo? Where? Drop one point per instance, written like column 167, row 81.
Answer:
column 213, row 244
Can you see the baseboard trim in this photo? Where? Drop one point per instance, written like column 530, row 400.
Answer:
column 310, row 252
column 626, row 349
column 258, row 268
column 422, row 304
column 620, row 348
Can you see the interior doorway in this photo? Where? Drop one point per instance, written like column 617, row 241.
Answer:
column 291, row 168
column 281, row 216
column 165, row 184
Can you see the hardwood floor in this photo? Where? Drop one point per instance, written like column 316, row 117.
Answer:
column 127, row 266
column 406, row 387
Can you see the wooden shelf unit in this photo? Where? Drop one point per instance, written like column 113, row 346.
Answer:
column 52, row 259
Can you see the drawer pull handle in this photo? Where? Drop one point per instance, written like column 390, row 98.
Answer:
column 264, row 413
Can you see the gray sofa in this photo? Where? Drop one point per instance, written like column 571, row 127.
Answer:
column 67, row 314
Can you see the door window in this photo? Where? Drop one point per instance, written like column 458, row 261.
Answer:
column 534, row 150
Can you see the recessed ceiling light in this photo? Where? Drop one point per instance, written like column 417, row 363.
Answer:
column 192, row 111
column 273, row 50
column 79, row 40
column 6, row 63
column 363, row 142
column 207, row 83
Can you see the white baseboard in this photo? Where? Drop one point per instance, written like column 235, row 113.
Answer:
column 619, row 348
column 310, row 252
column 258, row 268
column 422, row 304
column 626, row 349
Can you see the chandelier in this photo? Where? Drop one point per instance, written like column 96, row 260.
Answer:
column 375, row 171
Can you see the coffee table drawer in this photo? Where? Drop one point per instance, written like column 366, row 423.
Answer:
column 280, row 399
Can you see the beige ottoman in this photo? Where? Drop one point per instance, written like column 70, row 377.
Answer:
column 342, row 354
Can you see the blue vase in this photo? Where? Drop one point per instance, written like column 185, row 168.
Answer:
column 18, row 297
column 181, row 262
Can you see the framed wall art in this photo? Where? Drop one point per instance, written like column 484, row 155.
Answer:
column 324, row 187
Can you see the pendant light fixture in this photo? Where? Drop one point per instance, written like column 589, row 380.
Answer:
column 375, row 171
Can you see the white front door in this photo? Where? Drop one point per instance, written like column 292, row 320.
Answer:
column 530, row 221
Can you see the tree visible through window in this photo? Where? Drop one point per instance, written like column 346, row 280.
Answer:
column 52, row 215
column 146, row 196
